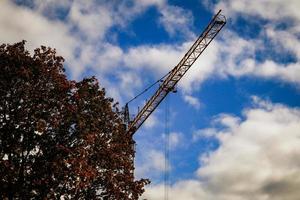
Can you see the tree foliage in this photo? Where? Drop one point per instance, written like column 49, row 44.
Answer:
column 59, row 138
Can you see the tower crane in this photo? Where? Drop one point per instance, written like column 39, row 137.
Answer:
column 172, row 78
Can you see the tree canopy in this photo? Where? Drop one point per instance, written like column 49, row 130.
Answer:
column 59, row 139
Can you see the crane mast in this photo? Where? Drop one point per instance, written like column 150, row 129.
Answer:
column 210, row 32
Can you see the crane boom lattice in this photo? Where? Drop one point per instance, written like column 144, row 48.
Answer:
column 210, row 32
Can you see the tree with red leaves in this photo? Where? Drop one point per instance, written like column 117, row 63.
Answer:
column 59, row 139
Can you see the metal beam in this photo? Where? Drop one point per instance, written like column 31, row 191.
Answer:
column 209, row 33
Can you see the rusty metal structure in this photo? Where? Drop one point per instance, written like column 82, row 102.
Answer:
column 172, row 78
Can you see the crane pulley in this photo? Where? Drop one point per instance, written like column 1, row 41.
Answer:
column 172, row 78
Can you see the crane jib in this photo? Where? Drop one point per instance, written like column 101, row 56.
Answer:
column 209, row 33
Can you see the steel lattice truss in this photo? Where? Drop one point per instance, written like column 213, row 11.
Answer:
column 210, row 32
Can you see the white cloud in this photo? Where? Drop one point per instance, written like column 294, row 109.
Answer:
column 93, row 20
column 237, row 56
column 258, row 158
column 284, row 72
column 108, row 58
column 152, row 164
column 271, row 10
column 204, row 133
column 187, row 190
column 174, row 140
column 158, row 58
column 49, row 8
column 202, row 69
column 80, row 38
column 227, row 120
column 234, row 49
column 286, row 39
column 232, row 55
column 257, row 101
column 176, row 20
column 129, row 82
column 151, row 122
column 193, row 101
column 257, row 155
column 146, row 3
column 18, row 23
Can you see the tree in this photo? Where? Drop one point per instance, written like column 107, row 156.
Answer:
column 59, row 139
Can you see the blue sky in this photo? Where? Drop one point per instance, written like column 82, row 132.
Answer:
column 234, row 124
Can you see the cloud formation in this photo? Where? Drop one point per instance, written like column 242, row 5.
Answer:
column 176, row 20
column 258, row 158
column 193, row 101
column 81, row 36
column 15, row 22
column 153, row 164
column 239, row 55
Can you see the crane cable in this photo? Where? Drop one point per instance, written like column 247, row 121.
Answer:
column 150, row 86
column 167, row 149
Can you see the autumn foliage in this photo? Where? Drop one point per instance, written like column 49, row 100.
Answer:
column 59, row 139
